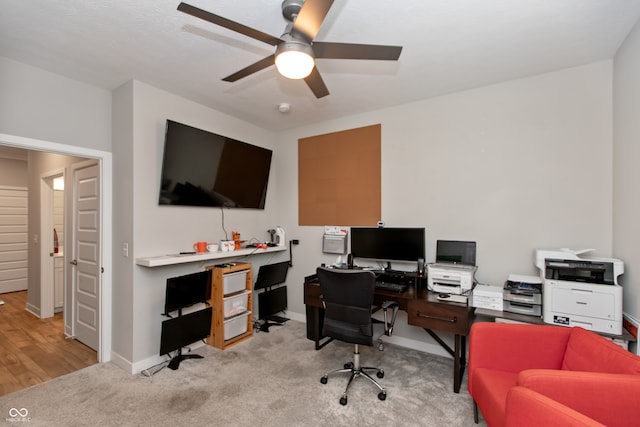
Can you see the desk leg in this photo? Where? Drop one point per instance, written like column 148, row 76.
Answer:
column 458, row 354
column 459, row 362
column 316, row 333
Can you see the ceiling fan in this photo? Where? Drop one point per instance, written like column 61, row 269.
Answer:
column 296, row 49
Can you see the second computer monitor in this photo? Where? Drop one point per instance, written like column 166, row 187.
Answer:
column 456, row 251
column 271, row 275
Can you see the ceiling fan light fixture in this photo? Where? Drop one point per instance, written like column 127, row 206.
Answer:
column 294, row 59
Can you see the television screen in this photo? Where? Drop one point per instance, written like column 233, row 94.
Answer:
column 271, row 274
column 455, row 251
column 183, row 291
column 201, row 168
column 184, row 330
column 388, row 244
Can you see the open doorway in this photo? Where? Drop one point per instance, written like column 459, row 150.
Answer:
column 103, row 290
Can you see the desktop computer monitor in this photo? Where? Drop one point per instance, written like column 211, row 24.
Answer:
column 271, row 275
column 388, row 244
column 456, row 251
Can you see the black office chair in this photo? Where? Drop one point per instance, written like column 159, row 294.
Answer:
column 348, row 297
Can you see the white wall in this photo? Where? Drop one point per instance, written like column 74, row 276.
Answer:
column 48, row 112
column 626, row 174
column 160, row 230
column 516, row 166
column 42, row 105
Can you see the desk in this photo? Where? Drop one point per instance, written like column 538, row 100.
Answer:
column 423, row 309
column 484, row 314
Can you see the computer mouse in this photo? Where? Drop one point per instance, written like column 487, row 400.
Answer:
column 443, row 295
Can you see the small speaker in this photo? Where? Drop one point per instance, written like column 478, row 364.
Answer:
column 421, row 267
column 350, row 262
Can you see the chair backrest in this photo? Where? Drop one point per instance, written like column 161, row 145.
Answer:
column 347, row 296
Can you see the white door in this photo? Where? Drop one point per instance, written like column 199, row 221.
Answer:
column 86, row 259
column 13, row 239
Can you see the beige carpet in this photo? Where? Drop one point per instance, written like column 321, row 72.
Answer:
column 272, row 379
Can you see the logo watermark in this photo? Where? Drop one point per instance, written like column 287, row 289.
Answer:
column 18, row 415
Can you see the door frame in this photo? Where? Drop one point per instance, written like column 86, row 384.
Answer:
column 47, row 302
column 105, row 160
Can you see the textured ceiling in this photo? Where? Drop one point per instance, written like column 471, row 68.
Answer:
column 448, row 45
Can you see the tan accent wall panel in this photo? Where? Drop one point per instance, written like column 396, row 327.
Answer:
column 339, row 178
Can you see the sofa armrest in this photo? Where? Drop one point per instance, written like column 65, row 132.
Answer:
column 611, row 399
column 527, row 408
column 515, row 347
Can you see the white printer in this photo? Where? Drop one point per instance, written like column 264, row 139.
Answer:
column 581, row 291
column 450, row 278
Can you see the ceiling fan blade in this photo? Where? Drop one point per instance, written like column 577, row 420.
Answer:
column 229, row 24
column 356, row 51
column 253, row 68
column 310, row 18
column 316, row 84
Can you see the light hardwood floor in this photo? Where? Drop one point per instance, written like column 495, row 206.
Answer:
column 34, row 350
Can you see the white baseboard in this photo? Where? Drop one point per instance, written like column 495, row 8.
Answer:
column 139, row 366
column 33, row 310
column 136, row 367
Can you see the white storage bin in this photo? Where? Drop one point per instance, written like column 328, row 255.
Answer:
column 235, row 304
column 236, row 326
column 234, row 282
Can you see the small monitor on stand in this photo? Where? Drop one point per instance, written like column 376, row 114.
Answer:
column 456, row 252
column 179, row 330
column 272, row 301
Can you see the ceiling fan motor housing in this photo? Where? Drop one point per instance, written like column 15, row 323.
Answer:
column 291, row 8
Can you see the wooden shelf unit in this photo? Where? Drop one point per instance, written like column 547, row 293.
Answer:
column 216, row 339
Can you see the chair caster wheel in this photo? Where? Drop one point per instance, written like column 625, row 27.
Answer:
column 380, row 374
column 348, row 365
column 343, row 400
column 382, row 395
column 380, row 347
column 324, row 379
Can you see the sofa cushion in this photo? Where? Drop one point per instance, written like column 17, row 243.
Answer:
column 588, row 351
column 490, row 391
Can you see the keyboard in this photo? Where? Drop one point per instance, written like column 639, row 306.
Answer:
column 390, row 286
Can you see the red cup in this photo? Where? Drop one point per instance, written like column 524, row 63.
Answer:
column 200, row 246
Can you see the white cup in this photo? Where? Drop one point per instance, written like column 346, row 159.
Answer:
column 212, row 247
column 224, row 245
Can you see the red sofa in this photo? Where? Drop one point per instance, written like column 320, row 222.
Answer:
column 539, row 375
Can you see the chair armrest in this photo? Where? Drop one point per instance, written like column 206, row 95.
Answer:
column 527, row 408
column 388, row 325
column 611, row 399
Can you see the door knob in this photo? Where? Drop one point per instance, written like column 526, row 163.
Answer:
column 74, row 262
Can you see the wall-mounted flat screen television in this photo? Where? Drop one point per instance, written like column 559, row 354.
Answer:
column 201, row 168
